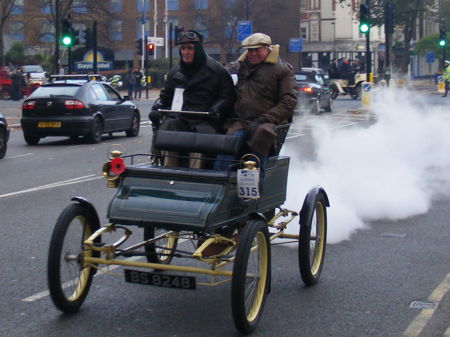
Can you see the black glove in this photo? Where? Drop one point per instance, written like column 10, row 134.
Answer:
column 215, row 111
column 155, row 115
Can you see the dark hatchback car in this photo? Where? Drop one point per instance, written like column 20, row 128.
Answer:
column 4, row 136
column 313, row 90
column 73, row 108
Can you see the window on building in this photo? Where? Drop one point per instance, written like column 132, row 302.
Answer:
column 201, row 25
column 15, row 30
column 302, row 5
column 115, row 30
column 304, row 32
column 142, row 5
column 79, row 6
column 139, row 28
column 229, row 25
column 115, row 6
column 314, row 28
column 45, row 7
column 174, row 21
column 173, row 5
column 17, row 8
column 229, row 3
column 201, row 4
column 47, row 33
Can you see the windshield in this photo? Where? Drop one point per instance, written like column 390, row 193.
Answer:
column 33, row 69
column 52, row 91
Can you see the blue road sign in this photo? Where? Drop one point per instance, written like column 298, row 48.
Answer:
column 244, row 29
column 430, row 57
column 295, row 45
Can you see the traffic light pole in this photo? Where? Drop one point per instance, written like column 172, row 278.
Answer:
column 368, row 56
column 146, row 71
column 69, row 60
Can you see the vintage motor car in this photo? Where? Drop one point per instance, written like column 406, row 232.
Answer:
column 76, row 106
column 4, row 136
column 313, row 90
column 201, row 227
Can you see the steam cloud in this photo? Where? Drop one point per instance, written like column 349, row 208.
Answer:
column 391, row 169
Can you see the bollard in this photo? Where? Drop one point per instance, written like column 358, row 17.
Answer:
column 366, row 95
column 441, row 85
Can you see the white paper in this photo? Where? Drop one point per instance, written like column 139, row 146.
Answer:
column 177, row 102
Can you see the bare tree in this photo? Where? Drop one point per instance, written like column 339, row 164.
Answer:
column 6, row 7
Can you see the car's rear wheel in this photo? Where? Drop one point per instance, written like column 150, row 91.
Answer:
column 3, row 143
column 31, row 139
column 133, row 131
column 5, row 93
column 95, row 135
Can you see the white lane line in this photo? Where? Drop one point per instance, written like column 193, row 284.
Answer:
column 101, row 271
column 19, row 156
column 418, row 324
column 82, row 179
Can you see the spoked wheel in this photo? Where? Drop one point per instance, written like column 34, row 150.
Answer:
column 162, row 250
column 69, row 278
column 251, row 276
column 312, row 242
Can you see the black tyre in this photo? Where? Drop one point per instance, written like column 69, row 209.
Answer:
column 329, row 106
column 5, row 93
column 31, row 139
column 3, row 142
column 251, row 276
column 95, row 135
column 315, row 107
column 334, row 93
column 162, row 250
column 312, row 242
column 69, row 278
column 133, row 131
column 356, row 92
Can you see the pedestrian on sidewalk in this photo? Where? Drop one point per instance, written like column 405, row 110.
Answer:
column 137, row 85
column 446, row 77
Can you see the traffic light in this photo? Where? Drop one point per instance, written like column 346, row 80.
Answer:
column 442, row 38
column 151, row 48
column 67, row 36
column 89, row 40
column 389, row 18
column 139, row 47
column 364, row 19
column 178, row 30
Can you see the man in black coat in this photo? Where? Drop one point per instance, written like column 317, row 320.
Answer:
column 197, row 83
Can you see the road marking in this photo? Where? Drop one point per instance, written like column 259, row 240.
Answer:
column 19, row 156
column 418, row 324
column 82, row 179
column 101, row 271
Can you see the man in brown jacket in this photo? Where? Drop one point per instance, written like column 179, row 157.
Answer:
column 266, row 95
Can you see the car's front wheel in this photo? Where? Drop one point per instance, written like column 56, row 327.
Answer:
column 31, row 139
column 95, row 135
column 133, row 131
column 3, row 140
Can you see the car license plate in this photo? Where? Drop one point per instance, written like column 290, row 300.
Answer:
column 49, row 124
column 159, row 279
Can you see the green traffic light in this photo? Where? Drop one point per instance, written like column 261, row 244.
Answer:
column 364, row 28
column 442, row 43
column 67, row 41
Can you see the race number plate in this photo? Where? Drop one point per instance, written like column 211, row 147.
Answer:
column 160, row 280
column 248, row 181
column 49, row 124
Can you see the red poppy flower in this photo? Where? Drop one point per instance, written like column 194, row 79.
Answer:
column 117, row 166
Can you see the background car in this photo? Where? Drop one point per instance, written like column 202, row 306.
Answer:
column 34, row 73
column 74, row 107
column 4, row 136
column 313, row 90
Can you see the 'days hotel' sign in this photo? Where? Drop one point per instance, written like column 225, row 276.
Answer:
column 88, row 62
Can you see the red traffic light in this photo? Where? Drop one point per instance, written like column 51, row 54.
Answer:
column 151, row 48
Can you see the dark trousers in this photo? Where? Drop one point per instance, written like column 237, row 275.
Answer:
column 447, row 85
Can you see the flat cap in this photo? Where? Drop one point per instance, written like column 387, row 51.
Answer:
column 257, row 40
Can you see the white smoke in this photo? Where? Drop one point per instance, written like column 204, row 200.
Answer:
column 390, row 169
